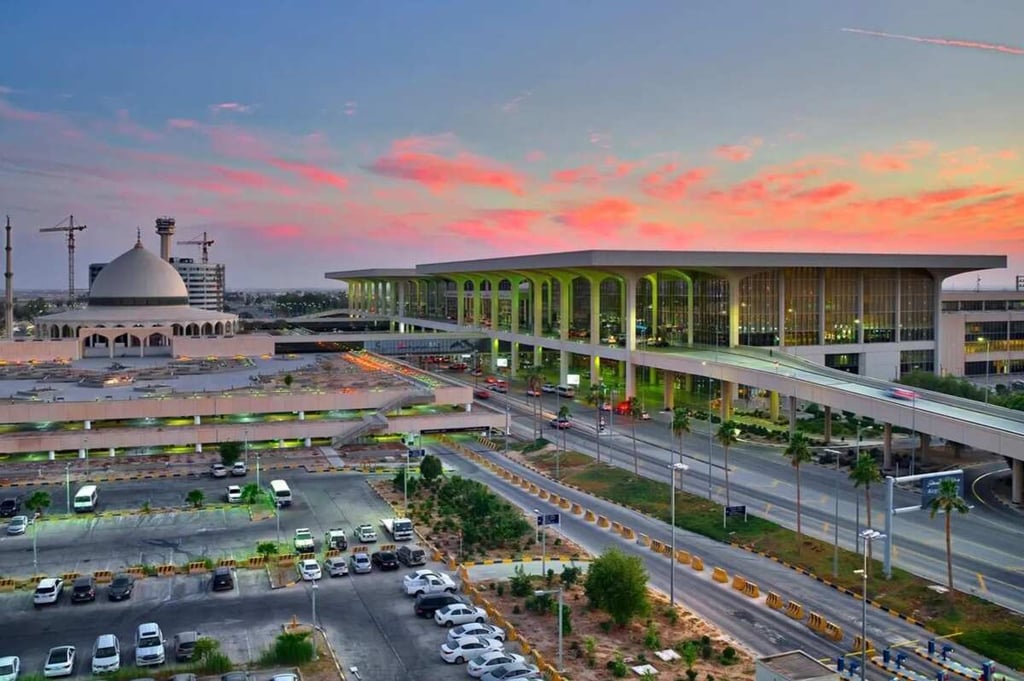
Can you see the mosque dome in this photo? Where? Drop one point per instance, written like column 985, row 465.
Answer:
column 138, row 278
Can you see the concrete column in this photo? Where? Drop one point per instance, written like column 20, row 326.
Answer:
column 725, row 408
column 689, row 312
column 653, row 321
column 113, row 452
column 513, row 363
column 828, row 425
column 1017, row 481
column 860, row 307
column 734, row 311
column 792, row 415
column 688, row 383
column 197, row 420
column 87, row 425
column 551, row 302
column 400, row 311
column 563, row 366
column 494, row 355
column 110, row 348
column 492, row 284
column 52, row 455
column 302, row 415
column 630, row 317
column 595, row 330
column 887, row 447
column 199, row 448
column 307, row 442
column 669, row 387
column 478, row 301
column 773, row 405
column 595, row 370
column 926, row 443
column 781, row 288
column 142, row 348
column 821, row 306
column 513, row 323
column 82, row 453
column 564, row 307
column 538, row 358
column 460, row 303
column 537, row 299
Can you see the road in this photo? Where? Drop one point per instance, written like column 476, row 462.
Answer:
column 754, row 626
column 761, row 478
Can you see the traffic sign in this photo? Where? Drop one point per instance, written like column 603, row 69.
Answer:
column 735, row 511
column 549, row 519
column 930, row 487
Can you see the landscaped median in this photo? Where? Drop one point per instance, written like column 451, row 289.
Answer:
column 979, row 625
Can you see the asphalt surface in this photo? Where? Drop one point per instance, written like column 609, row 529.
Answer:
column 985, row 561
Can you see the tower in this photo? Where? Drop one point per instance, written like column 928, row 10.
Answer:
column 165, row 228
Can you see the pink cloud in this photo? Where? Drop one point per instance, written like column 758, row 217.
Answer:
column 602, row 217
column 948, row 42
column 440, row 173
column 312, row 173
column 667, row 184
column 182, row 124
column 124, row 125
column 897, row 160
column 734, row 152
column 535, row 156
column 423, row 143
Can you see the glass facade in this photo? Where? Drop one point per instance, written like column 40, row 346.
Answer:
column 917, row 306
column 917, row 360
column 710, row 311
column 880, row 289
column 802, row 318
column 759, row 309
column 848, row 362
column 842, row 304
column 673, row 299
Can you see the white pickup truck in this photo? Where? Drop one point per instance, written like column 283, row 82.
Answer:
column 400, row 529
column 304, row 542
column 427, row 582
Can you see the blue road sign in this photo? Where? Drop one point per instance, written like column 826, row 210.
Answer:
column 549, row 519
column 930, row 487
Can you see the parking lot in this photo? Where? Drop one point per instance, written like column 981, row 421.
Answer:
column 368, row 618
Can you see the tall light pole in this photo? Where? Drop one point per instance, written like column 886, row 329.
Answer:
column 35, row 553
column 709, row 432
column 681, row 468
column 543, row 543
column 67, row 484
column 988, row 355
column 257, row 470
column 245, row 446
column 835, row 521
column 405, row 485
column 867, row 536
column 561, row 607
column 314, row 589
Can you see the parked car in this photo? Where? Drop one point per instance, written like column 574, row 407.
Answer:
column 60, row 661
column 513, row 670
column 121, row 587
column 48, row 591
column 476, row 629
column 411, row 556
column 18, row 525
column 336, row 566
column 149, row 645
column 236, row 676
column 303, row 541
column 459, row 613
column 218, row 470
column 9, row 507
column 532, row 392
column 234, row 494
column 183, row 677
column 548, row 388
column 10, row 667
column 384, row 560
column 561, row 423
column 361, row 563
column 309, row 570
column 366, row 534
column 106, row 654
column 427, row 604
column 238, row 469
column 184, row 643
column 427, row 582
column 491, row 660
column 83, row 589
column 223, row 579
column 468, row 647
column 335, row 539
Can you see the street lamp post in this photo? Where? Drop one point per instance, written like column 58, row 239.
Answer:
column 35, row 553
column 67, row 485
column 867, row 536
column 405, row 485
column 561, row 607
column 245, row 446
column 835, row 545
column 681, row 468
column 257, row 470
column 988, row 357
column 543, row 543
column 314, row 589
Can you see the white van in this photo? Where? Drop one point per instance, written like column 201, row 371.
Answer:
column 282, row 493
column 566, row 391
column 149, row 645
column 106, row 654
column 86, row 498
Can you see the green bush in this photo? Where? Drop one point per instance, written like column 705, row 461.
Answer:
column 570, row 575
column 617, row 666
column 652, row 641
column 289, row 649
column 519, row 583
column 729, row 656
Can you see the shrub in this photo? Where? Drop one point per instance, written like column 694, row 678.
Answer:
column 570, row 575
column 519, row 583
column 729, row 656
column 539, row 604
column 289, row 649
column 516, row 610
column 549, row 578
column 706, row 652
column 617, row 666
column 606, row 626
column 691, row 674
column 500, row 589
column 652, row 641
column 672, row 615
column 591, row 647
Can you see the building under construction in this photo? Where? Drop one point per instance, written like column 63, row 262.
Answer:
column 203, row 279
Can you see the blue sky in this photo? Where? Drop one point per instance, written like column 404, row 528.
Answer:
column 315, row 136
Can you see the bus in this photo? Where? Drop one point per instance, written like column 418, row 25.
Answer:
column 281, row 492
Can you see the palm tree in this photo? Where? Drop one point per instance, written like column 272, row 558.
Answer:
column 680, row 426
column 251, row 494
column 727, row 437
column 38, row 502
column 195, row 497
column 865, row 472
column 948, row 500
column 534, row 381
column 635, row 411
column 798, row 452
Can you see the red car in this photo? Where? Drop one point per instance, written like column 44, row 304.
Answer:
column 481, row 394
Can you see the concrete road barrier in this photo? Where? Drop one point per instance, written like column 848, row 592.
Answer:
column 543, row 494
column 256, row 561
column 196, row 567
column 773, row 601
column 166, row 570
column 286, row 559
column 860, row 643
column 534, row 489
column 103, row 576
column 750, row 589
column 7, row 584
column 794, row 610
column 643, row 540
column 816, row 622
column 683, row 557
column 307, row 556
column 576, row 509
column 334, row 553
column 720, row 575
column 589, row 516
column 564, row 503
column 833, row 631
column 657, row 546
column 136, row 571
column 227, row 562
column 738, row 582
column 554, row 499
column 697, row 563
column 628, row 533
column 69, row 577
column 602, row 521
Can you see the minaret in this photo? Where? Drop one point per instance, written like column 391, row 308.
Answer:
column 165, row 228
column 9, row 287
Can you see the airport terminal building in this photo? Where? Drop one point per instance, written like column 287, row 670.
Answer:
column 875, row 315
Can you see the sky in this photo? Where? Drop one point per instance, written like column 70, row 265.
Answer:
column 322, row 135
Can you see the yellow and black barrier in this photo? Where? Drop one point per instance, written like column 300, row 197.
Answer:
column 750, row 589
column 697, row 563
column 166, row 570
column 196, row 567
column 719, row 575
column 103, row 576
column 816, row 622
column 794, row 610
column 773, row 601
column 833, row 631
column 739, row 582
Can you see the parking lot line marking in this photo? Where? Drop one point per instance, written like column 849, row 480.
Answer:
column 767, row 508
column 981, row 582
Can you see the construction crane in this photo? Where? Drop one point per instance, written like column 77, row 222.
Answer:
column 204, row 243
column 69, row 227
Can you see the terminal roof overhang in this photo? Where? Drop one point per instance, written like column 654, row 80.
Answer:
column 722, row 261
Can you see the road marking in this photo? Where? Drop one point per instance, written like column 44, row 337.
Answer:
column 775, row 483
column 981, row 582
column 824, row 527
column 767, row 508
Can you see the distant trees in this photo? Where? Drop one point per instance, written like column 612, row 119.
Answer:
column 195, row 497
column 680, row 426
column 865, row 473
column 727, row 436
column 230, row 453
column 430, row 469
column 38, row 501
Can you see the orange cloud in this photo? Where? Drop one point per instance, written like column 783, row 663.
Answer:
column 439, row 173
column 602, row 217
column 312, row 173
column 664, row 184
column 897, row 160
column 734, row 152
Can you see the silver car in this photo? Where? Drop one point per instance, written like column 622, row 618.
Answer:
column 361, row 563
column 18, row 524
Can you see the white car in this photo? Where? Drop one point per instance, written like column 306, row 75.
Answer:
column 336, row 566
column 514, row 670
column 218, row 470
column 366, row 533
column 548, row 388
column 459, row 613
column 18, row 524
column 234, row 494
column 427, row 582
column 476, row 629
column 10, row 667
column 491, row 660
column 48, row 591
column 309, row 570
column 361, row 563
column 60, row 662
column 106, row 654
column 467, row 648
column 304, row 542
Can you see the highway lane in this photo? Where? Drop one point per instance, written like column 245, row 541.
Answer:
column 762, row 478
column 758, row 628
